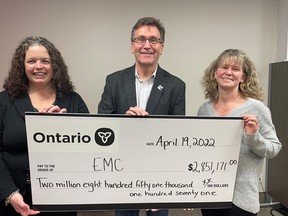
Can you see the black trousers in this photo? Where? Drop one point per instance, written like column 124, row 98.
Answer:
column 161, row 212
column 233, row 211
column 9, row 210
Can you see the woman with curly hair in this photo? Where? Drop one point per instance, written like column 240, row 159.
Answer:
column 38, row 81
column 233, row 88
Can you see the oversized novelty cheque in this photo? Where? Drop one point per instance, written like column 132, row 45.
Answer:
column 89, row 162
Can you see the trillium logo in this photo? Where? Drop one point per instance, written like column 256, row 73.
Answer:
column 104, row 136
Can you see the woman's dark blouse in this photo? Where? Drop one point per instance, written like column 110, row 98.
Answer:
column 13, row 142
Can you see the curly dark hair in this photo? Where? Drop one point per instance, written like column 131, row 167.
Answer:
column 17, row 82
column 250, row 87
column 149, row 21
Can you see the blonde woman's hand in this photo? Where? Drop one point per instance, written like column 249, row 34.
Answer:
column 251, row 124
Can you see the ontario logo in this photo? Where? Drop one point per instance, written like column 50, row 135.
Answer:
column 102, row 137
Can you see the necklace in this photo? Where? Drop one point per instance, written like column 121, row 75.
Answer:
column 224, row 108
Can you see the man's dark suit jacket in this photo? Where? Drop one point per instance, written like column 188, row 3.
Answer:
column 167, row 96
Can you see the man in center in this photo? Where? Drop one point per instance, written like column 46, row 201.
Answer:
column 144, row 88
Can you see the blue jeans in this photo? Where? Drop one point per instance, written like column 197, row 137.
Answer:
column 161, row 212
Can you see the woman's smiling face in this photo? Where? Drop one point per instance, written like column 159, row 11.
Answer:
column 229, row 74
column 38, row 67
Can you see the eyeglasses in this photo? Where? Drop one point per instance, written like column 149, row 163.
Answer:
column 142, row 40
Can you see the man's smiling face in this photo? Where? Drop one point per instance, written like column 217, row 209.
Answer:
column 147, row 53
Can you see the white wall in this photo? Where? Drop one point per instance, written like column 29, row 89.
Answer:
column 93, row 36
column 282, row 34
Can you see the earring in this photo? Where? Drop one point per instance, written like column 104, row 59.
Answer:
column 241, row 86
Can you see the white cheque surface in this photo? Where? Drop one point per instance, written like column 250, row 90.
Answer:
column 94, row 159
